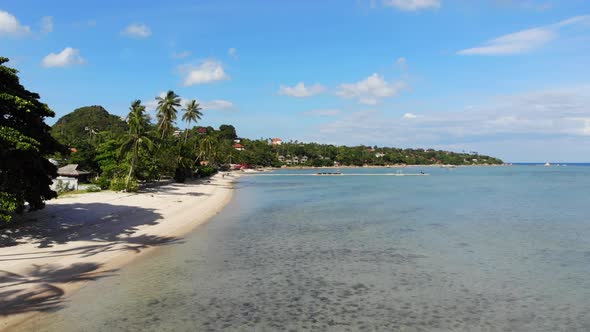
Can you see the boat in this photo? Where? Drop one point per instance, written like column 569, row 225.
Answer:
column 547, row 164
column 329, row 173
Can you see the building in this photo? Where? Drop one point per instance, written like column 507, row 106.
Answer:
column 303, row 159
column 379, row 155
column 69, row 177
column 281, row 158
column 238, row 147
column 276, row 141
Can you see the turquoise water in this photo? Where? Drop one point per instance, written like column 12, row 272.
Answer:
column 466, row 249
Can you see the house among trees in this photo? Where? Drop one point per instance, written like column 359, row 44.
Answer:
column 276, row 141
column 69, row 178
column 238, row 147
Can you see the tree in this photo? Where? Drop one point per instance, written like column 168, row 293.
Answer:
column 138, row 139
column 25, row 143
column 166, row 112
column 192, row 113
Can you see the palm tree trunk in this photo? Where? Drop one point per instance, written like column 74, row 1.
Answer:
column 186, row 131
column 132, row 166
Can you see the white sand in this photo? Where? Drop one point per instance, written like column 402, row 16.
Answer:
column 80, row 238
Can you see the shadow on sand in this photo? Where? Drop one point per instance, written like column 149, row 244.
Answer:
column 107, row 227
column 35, row 291
column 106, row 224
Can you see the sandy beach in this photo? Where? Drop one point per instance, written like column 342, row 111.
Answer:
column 80, row 238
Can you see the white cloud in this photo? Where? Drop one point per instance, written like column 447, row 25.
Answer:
column 329, row 112
column 10, row 26
column 68, row 57
column 181, row 55
column 137, row 31
column 523, row 41
column 46, row 24
column 232, row 52
column 217, row 104
column 412, row 5
column 540, row 115
column 301, row 91
column 370, row 90
column 208, row 71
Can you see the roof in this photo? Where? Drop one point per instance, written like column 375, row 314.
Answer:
column 277, row 139
column 70, row 170
column 238, row 145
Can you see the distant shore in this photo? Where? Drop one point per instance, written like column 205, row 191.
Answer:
column 391, row 166
column 80, row 238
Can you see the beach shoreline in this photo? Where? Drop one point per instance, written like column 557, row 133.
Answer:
column 80, row 238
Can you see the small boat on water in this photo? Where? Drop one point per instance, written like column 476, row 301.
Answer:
column 329, row 173
column 547, row 164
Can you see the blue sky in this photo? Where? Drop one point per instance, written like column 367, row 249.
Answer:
column 501, row 77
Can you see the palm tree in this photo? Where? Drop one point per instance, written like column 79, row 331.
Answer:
column 192, row 112
column 137, row 140
column 166, row 111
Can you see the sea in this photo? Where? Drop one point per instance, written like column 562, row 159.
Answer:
column 460, row 249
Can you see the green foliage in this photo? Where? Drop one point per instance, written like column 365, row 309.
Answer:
column 205, row 171
column 84, row 124
column 122, row 183
column 25, row 141
column 138, row 139
column 166, row 112
column 103, row 182
column 326, row 155
column 9, row 205
column 227, row 132
column 93, row 189
column 62, row 187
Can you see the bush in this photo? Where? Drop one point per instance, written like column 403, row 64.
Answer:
column 118, row 184
column 93, row 189
column 103, row 182
column 205, row 171
column 62, row 187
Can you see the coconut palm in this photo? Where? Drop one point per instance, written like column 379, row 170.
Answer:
column 192, row 113
column 166, row 111
column 137, row 140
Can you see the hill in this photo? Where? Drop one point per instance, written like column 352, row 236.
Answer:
column 85, row 122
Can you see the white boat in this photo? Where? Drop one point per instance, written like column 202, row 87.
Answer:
column 547, row 164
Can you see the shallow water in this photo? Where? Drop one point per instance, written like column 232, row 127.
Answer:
column 466, row 249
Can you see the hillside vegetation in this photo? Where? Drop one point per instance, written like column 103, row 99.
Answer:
column 84, row 123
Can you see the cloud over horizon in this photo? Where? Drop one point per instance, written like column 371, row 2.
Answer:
column 370, row 90
column 539, row 114
column 207, row 72
column 525, row 40
column 10, row 26
column 68, row 57
column 137, row 31
column 412, row 5
column 301, row 91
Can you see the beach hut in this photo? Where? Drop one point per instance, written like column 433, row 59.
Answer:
column 69, row 177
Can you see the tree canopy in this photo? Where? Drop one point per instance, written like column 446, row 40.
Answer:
column 25, row 143
column 84, row 124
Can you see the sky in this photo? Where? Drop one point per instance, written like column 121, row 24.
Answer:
column 505, row 78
